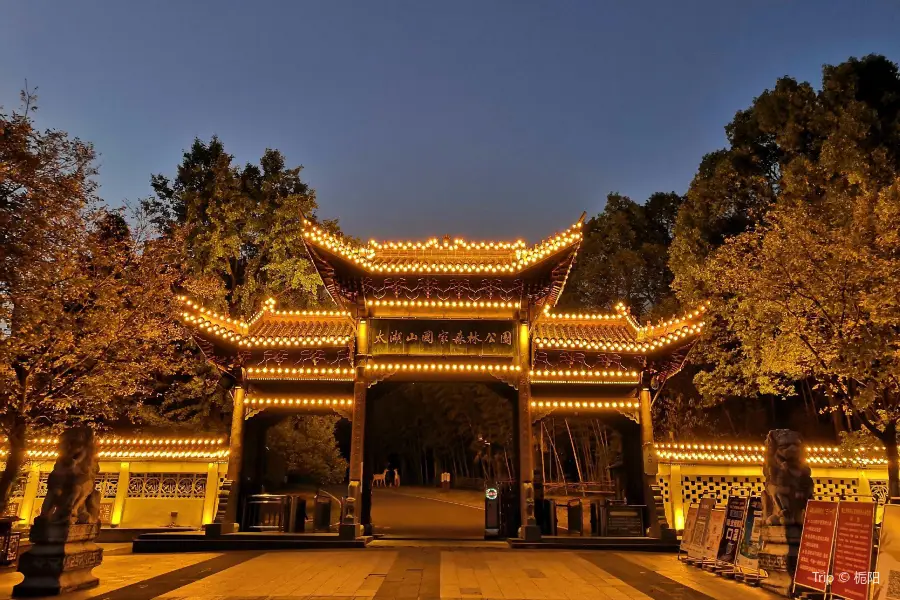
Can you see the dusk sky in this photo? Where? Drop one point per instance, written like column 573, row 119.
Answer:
column 487, row 119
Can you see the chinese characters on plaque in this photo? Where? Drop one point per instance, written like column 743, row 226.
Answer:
column 445, row 337
column 816, row 544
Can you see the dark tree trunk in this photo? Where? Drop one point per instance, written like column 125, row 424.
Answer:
column 893, row 460
column 14, row 461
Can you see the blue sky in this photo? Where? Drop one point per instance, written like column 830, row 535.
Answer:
column 487, row 119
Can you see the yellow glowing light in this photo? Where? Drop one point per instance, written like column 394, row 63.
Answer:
column 443, row 257
column 442, row 366
column 264, row 401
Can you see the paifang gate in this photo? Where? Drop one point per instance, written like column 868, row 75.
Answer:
column 441, row 309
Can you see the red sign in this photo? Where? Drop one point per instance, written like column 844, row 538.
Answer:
column 853, row 550
column 816, row 544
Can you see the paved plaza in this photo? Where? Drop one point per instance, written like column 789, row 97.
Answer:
column 406, row 570
column 430, row 550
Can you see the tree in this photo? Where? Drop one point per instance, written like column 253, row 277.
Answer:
column 623, row 257
column 465, row 429
column 241, row 229
column 306, row 444
column 239, row 238
column 813, row 293
column 238, row 234
column 84, row 303
column 792, row 233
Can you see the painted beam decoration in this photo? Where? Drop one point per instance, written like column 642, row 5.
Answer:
column 442, row 338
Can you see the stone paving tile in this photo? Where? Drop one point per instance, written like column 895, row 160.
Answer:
column 528, row 575
column 323, row 574
column 118, row 571
column 666, row 565
column 414, row 573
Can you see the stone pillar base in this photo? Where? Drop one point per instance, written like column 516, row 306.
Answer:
column 530, row 533
column 778, row 556
column 217, row 529
column 349, row 531
column 60, row 559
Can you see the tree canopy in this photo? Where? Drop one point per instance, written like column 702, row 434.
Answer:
column 624, row 257
column 791, row 231
column 238, row 232
column 85, row 302
column 306, row 445
column 240, row 228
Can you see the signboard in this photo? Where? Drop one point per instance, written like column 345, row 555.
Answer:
column 816, row 545
column 853, row 550
column 442, row 337
column 748, row 549
column 625, row 521
column 734, row 524
column 887, row 569
column 698, row 537
column 688, row 531
column 491, row 493
column 714, row 534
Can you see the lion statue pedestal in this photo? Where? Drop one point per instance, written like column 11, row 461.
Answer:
column 788, row 487
column 63, row 551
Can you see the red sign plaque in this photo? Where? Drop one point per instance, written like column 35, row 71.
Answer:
column 853, row 550
column 816, row 544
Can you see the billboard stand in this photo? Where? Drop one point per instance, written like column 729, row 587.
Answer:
column 687, row 533
column 816, row 547
column 746, row 563
column 700, row 534
column 735, row 515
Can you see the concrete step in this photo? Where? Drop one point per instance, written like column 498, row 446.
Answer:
column 199, row 542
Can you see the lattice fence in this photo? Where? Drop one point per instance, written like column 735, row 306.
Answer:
column 105, row 483
column 879, row 489
column 834, row 489
column 167, row 485
column 719, row 487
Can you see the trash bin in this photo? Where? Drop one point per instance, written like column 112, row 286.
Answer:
column 322, row 513
column 599, row 507
column 574, row 513
column 510, row 513
column 546, row 516
column 296, row 514
column 266, row 512
column 491, row 512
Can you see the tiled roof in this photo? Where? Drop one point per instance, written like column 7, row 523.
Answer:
column 619, row 332
column 444, row 256
column 303, row 327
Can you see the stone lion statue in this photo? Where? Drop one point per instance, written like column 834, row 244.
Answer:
column 71, row 496
column 788, row 482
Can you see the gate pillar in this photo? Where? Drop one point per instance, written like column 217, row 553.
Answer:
column 229, row 522
column 655, row 512
column 530, row 530
column 350, row 519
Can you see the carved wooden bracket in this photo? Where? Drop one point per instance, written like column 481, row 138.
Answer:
column 378, row 378
column 346, row 413
column 539, row 413
column 510, row 379
column 630, row 414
